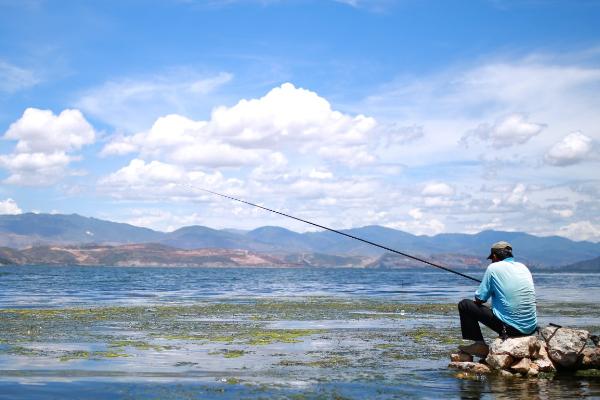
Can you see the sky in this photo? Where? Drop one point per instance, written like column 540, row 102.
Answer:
column 425, row 116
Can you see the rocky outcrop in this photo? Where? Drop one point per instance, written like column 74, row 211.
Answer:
column 554, row 349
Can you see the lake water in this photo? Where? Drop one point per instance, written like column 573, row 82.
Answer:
column 124, row 333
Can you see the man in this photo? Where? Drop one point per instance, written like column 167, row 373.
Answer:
column 510, row 286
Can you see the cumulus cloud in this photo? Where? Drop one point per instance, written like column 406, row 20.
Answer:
column 289, row 114
column 514, row 197
column 45, row 143
column 42, row 131
column 157, row 180
column 572, row 149
column 505, row 132
column 9, row 206
column 581, row 230
column 14, row 79
column 290, row 118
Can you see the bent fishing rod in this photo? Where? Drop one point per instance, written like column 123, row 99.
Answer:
column 340, row 233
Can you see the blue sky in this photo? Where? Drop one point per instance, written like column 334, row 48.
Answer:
column 425, row 116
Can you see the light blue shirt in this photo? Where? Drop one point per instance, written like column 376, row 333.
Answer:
column 510, row 285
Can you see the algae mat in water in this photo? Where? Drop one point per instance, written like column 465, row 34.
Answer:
column 315, row 347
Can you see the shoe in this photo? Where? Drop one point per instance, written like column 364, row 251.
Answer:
column 475, row 349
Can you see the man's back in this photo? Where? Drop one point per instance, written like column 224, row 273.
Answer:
column 510, row 285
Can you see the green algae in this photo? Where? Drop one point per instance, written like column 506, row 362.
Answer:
column 264, row 337
column 138, row 344
column 90, row 355
column 234, row 353
column 424, row 333
column 26, row 351
column 588, row 373
column 384, row 346
column 228, row 353
column 326, row 362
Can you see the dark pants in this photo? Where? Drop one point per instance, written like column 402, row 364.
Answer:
column 471, row 314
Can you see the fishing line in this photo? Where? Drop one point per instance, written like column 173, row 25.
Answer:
column 340, row 233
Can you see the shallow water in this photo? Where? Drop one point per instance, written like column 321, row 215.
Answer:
column 124, row 333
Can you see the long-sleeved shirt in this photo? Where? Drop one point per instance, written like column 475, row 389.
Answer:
column 510, row 285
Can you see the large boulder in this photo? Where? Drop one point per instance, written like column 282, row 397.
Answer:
column 520, row 347
column 565, row 345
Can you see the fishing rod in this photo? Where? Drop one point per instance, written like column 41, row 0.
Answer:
column 341, row 233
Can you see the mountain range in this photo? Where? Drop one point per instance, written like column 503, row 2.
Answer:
column 38, row 230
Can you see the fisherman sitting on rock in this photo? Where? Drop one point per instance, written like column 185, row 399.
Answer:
column 510, row 286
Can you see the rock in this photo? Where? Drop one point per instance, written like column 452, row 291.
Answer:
column 522, row 366
column 534, row 370
column 565, row 345
column 517, row 347
column 506, row 373
column 477, row 368
column 461, row 357
column 591, row 358
column 545, row 364
column 541, row 351
column 499, row 361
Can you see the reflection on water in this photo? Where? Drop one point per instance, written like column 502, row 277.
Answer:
column 187, row 333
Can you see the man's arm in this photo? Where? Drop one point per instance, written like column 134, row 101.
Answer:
column 484, row 291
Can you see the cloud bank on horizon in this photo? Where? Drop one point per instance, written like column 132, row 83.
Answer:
column 344, row 126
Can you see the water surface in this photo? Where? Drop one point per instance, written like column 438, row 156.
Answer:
column 108, row 332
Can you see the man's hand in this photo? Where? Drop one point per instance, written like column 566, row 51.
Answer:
column 478, row 302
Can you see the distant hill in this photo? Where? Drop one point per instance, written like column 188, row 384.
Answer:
column 26, row 230
column 30, row 229
column 592, row 265
column 158, row 255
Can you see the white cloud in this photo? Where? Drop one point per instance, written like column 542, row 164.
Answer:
column 430, row 226
column 14, row 79
column 415, row 213
column 581, row 230
column 514, row 197
column 9, row 206
column 131, row 104
column 294, row 151
column 157, row 180
column 506, row 131
column 565, row 213
column 290, row 115
column 437, row 189
column 320, row 174
column 572, row 149
column 35, row 169
column 287, row 118
column 44, row 141
column 42, row 131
